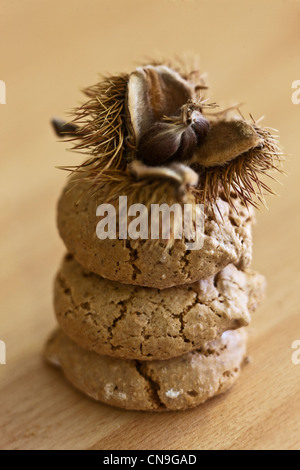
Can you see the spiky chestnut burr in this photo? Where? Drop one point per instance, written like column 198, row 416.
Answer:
column 156, row 116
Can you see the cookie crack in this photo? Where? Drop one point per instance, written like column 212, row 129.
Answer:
column 111, row 328
column 133, row 254
column 181, row 316
column 152, row 385
column 123, row 312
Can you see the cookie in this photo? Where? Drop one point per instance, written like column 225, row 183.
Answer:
column 174, row 384
column 145, row 323
column 151, row 263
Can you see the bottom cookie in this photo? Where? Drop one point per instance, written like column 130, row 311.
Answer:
column 174, row 384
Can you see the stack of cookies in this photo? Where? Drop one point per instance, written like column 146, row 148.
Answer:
column 149, row 324
column 148, row 336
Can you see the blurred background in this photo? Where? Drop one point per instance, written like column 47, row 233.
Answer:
column 49, row 51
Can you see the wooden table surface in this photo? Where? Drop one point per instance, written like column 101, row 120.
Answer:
column 49, row 50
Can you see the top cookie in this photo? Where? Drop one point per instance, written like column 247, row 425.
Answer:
column 151, row 263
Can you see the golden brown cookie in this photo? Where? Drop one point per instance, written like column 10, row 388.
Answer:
column 144, row 323
column 175, row 384
column 151, row 263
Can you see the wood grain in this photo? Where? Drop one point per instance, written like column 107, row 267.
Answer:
column 50, row 50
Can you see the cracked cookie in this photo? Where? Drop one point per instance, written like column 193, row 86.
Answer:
column 174, row 384
column 145, row 323
column 152, row 263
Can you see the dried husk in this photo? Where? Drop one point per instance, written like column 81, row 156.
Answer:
column 156, row 104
